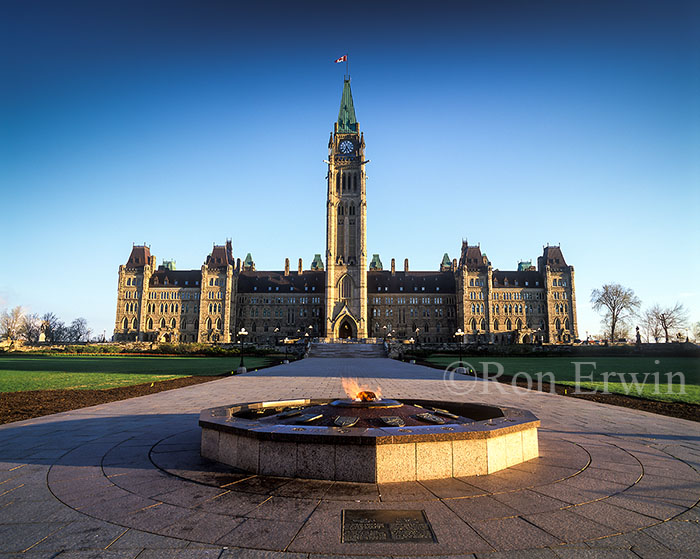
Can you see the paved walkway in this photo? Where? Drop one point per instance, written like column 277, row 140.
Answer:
column 124, row 480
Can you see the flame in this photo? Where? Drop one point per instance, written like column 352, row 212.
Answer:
column 358, row 392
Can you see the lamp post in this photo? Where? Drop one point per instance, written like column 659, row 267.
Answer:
column 242, row 333
column 417, row 338
column 384, row 332
column 413, row 344
column 276, row 332
column 286, row 341
column 460, row 336
column 311, row 331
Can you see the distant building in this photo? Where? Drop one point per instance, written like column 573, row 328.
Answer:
column 346, row 298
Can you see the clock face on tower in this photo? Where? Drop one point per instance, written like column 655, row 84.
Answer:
column 346, row 146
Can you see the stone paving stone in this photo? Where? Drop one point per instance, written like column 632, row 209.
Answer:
column 258, row 533
column 630, row 540
column 189, row 495
column 348, row 491
column 284, row 508
column 691, row 515
column 571, row 552
column 84, row 534
column 480, row 508
column 529, row 502
column 513, row 533
column 645, row 505
column 136, row 539
column 21, row 537
column 568, row 526
column 619, row 519
column 322, row 533
column 448, row 488
column 678, row 536
column 567, row 493
column 405, row 491
column 38, row 511
column 98, row 554
column 202, row 527
column 621, row 476
column 259, row 554
column 232, row 503
column 519, row 554
column 304, row 489
column 259, row 484
column 505, row 480
column 153, row 518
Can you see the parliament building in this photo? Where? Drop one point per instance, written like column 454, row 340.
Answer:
column 350, row 296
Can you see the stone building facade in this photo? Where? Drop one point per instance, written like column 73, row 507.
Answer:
column 349, row 297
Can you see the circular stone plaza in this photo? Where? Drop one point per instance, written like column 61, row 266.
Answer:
column 127, row 480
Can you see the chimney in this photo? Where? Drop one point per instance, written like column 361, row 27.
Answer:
column 393, row 266
column 286, row 266
column 454, row 264
column 405, row 265
column 301, row 267
column 238, row 265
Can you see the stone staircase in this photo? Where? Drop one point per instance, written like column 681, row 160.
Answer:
column 355, row 350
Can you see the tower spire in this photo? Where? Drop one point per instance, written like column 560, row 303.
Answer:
column 347, row 121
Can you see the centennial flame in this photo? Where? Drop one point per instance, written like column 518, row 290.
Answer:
column 361, row 392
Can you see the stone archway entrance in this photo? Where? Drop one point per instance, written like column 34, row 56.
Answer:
column 346, row 329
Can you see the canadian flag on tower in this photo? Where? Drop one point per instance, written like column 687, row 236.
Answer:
column 343, row 58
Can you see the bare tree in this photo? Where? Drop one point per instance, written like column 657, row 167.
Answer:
column 55, row 330
column 11, row 324
column 617, row 302
column 650, row 325
column 31, row 328
column 670, row 319
column 78, row 331
column 696, row 332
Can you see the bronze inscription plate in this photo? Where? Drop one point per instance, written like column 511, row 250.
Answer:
column 386, row 526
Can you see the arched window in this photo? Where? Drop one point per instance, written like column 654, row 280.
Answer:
column 218, row 308
column 482, row 324
column 162, row 323
column 196, row 324
column 557, row 324
column 183, row 324
column 471, row 282
column 566, row 324
column 346, row 287
column 472, row 308
column 218, row 324
column 134, row 324
column 254, row 327
column 208, row 323
column 495, row 324
column 509, row 325
column 149, row 323
column 472, row 324
column 173, row 323
column 426, row 328
column 125, row 323
column 519, row 324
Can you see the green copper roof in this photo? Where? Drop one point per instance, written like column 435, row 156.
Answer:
column 347, row 122
column 317, row 264
column 446, row 260
column 376, row 263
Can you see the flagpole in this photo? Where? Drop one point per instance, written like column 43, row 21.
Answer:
column 347, row 65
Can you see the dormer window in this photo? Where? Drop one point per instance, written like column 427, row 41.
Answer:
column 401, row 288
column 255, row 288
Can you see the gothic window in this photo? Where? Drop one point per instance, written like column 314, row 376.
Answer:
column 557, row 324
column 426, row 328
column 173, row 323
column 162, row 323
column 208, row 323
column 337, row 183
column 346, row 288
column 149, row 323
column 218, row 324
column 254, row 327
column 482, row 324
column 125, row 323
column 196, row 324
column 509, row 325
column 566, row 324
column 183, row 324
column 472, row 324
column 134, row 323
column 495, row 324
column 519, row 324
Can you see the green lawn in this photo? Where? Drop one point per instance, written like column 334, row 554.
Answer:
column 635, row 376
column 46, row 372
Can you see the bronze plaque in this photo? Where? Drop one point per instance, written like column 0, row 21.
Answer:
column 430, row 418
column 368, row 526
column 393, row 420
column 345, row 420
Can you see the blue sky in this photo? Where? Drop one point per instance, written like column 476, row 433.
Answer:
column 510, row 124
